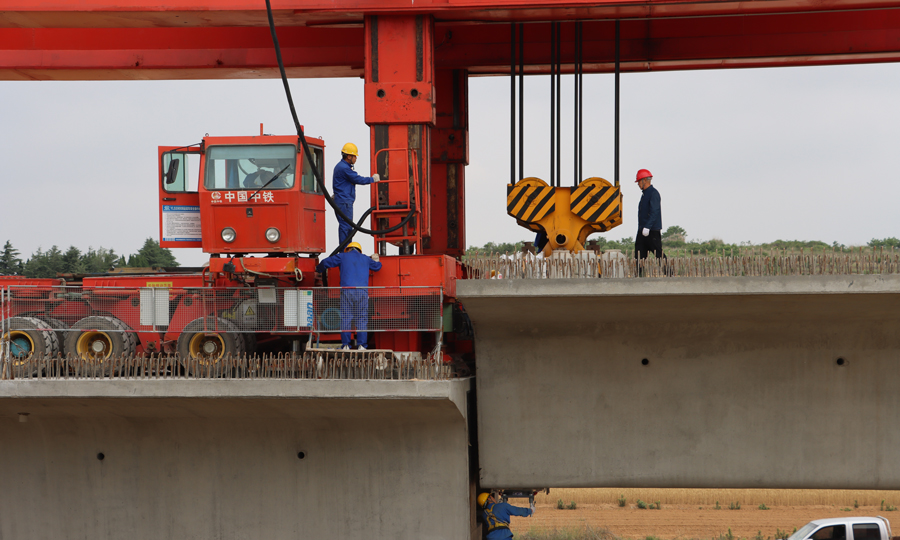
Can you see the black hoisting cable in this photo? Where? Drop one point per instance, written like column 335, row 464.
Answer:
column 553, row 104
column 308, row 153
column 512, row 104
column 521, row 100
column 579, row 101
column 558, row 104
column 617, row 107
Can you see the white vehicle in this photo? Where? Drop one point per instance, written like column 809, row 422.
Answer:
column 849, row 528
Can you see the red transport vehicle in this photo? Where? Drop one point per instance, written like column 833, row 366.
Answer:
column 255, row 207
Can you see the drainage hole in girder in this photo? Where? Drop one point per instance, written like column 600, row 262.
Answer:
column 301, row 455
column 381, row 93
column 644, row 362
column 101, row 456
column 841, row 361
column 414, row 93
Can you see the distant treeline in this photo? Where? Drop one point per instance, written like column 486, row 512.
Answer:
column 676, row 242
column 54, row 261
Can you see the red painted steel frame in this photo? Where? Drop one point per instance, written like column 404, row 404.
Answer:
column 89, row 39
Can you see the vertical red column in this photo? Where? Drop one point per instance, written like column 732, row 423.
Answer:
column 399, row 97
column 449, row 157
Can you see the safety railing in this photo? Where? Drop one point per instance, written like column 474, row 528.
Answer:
column 102, row 323
column 209, row 309
column 589, row 265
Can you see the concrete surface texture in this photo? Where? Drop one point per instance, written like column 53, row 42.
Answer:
column 380, row 459
column 723, row 382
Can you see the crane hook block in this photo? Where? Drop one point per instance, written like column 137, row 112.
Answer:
column 566, row 215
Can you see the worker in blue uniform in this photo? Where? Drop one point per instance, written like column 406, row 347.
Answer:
column 649, row 235
column 496, row 515
column 344, row 182
column 354, row 268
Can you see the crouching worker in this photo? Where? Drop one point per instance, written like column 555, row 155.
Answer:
column 354, row 268
column 495, row 515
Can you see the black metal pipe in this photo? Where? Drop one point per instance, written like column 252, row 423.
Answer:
column 521, row 100
column 512, row 103
column 552, row 103
column 617, row 106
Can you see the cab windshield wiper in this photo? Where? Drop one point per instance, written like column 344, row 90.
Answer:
column 269, row 182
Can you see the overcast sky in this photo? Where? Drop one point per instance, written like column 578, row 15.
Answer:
column 742, row 155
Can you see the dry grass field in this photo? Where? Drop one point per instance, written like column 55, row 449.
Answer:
column 692, row 513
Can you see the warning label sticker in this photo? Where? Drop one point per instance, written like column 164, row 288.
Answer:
column 181, row 223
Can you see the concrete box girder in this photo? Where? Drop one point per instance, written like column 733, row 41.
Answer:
column 741, row 386
column 220, row 459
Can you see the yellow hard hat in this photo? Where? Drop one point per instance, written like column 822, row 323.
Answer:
column 350, row 149
column 482, row 499
column 352, row 245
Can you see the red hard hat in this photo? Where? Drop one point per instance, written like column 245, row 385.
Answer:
column 643, row 173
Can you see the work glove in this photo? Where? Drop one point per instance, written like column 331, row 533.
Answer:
column 646, row 232
column 375, row 257
column 376, row 178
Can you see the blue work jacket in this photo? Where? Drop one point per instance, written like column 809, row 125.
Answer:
column 354, row 267
column 649, row 210
column 499, row 514
column 344, row 182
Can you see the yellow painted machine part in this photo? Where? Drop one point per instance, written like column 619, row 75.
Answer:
column 567, row 215
column 84, row 345
column 196, row 347
column 9, row 336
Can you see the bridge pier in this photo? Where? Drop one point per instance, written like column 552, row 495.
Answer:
column 222, row 459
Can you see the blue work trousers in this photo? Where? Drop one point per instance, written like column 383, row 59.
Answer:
column 344, row 228
column 355, row 311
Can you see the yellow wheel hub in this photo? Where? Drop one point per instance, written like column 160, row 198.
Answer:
column 21, row 346
column 94, row 345
column 208, row 348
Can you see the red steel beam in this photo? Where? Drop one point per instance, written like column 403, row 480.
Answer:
column 191, row 52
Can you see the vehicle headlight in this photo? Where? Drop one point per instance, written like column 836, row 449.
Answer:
column 228, row 234
column 273, row 234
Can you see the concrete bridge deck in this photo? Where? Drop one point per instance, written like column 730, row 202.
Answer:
column 222, row 459
column 772, row 382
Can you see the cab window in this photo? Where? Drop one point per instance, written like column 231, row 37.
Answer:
column 834, row 532
column 250, row 167
column 309, row 184
column 866, row 531
column 183, row 177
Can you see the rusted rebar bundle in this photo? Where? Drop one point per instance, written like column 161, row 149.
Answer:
column 528, row 266
column 318, row 364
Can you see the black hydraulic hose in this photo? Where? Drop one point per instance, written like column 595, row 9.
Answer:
column 350, row 236
column 308, row 154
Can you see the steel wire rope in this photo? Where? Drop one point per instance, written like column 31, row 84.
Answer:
column 308, row 154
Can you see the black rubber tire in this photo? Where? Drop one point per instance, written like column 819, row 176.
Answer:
column 41, row 336
column 116, row 336
column 229, row 340
column 60, row 328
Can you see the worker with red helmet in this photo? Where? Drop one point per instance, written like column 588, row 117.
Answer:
column 355, row 269
column 649, row 235
column 344, row 182
column 496, row 515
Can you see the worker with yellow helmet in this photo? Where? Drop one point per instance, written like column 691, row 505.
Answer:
column 496, row 515
column 354, row 268
column 344, row 182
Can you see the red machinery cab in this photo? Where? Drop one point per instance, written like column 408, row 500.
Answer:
column 246, row 198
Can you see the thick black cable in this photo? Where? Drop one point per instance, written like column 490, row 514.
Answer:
column 308, row 153
column 553, row 44
column 512, row 104
column 616, row 136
